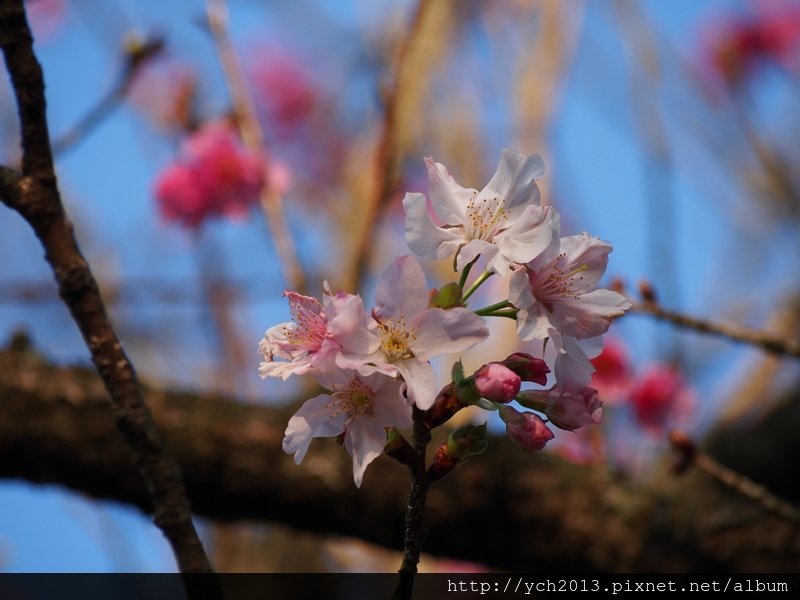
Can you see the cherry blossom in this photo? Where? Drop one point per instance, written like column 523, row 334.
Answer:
column 503, row 222
column 556, row 293
column 409, row 333
column 313, row 338
column 214, row 176
column 361, row 407
column 660, row 397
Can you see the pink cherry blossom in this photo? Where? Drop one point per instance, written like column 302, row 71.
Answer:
column 526, row 429
column 409, row 333
column 497, row 383
column 504, row 222
column 359, row 406
column 556, row 293
column 214, row 176
column 660, row 397
column 283, row 88
column 613, row 372
column 313, row 338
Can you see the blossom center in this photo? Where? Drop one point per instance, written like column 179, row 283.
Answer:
column 310, row 327
column 395, row 339
column 485, row 217
column 555, row 282
column 354, row 400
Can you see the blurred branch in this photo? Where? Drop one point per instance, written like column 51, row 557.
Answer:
column 253, row 138
column 38, row 201
column 738, row 333
column 689, row 455
column 505, row 509
column 136, row 56
column 387, row 156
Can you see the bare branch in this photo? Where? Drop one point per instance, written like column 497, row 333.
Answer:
column 738, row 333
column 38, row 201
column 253, row 138
column 507, row 510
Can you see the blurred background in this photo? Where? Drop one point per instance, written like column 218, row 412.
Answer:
column 668, row 129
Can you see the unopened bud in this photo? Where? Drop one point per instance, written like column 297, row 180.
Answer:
column 526, row 429
column 528, row 367
column 497, row 383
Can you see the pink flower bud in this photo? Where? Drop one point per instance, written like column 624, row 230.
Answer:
column 571, row 410
column 497, row 383
column 527, row 367
column 526, row 429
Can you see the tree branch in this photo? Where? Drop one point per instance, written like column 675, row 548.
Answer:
column 38, row 200
column 504, row 509
column 738, row 333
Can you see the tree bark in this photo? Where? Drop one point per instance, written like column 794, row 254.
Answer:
column 504, row 509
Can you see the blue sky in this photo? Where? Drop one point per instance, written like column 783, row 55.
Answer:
column 600, row 181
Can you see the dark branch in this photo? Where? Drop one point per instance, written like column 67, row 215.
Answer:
column 39, row 202
column 505, row 508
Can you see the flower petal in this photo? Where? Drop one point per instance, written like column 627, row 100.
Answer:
column 423, row 236
column 515, row 178
column 449, row 200
column 590, row 314
column 316, row 418
column 420, row 381
column 528, row 236
column 438, row 331
column 364, row 440
column 402, row 291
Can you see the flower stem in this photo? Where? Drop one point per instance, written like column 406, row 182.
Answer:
column 483, row 277
column 415, row 511
column 487, row 311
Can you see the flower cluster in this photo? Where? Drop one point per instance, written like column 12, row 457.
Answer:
column 215, row 176
column 376, row 363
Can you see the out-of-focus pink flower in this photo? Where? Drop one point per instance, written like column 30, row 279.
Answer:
column 613, row 374
column 214, row 176
column 284, row 89
column 660, row 397
column 526, row 429
column 497, row 383
column 734, row 46
column 164, row 90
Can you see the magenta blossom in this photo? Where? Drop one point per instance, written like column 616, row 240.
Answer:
column 360, row 407
column 497, row 383
column 526, row 429
column 660, row 397
column 214, row 176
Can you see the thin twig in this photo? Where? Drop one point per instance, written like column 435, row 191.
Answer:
column 386, row 156
column 739, row 333
column 415, row 511
column 691, row 455
column 36, row 197
column 253, row 138
column 135, row 58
